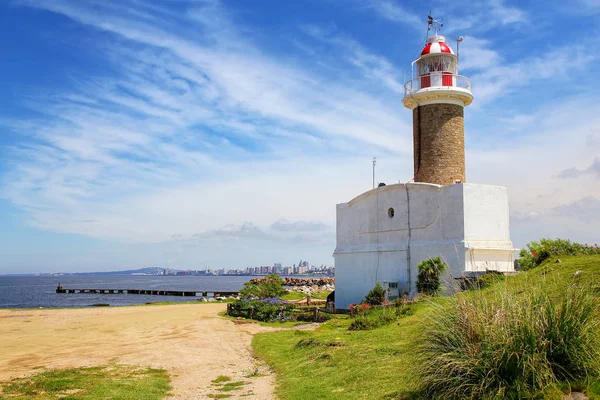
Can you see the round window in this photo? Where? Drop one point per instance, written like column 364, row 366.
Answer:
column 391, row 212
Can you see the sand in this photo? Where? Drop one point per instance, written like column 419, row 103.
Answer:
column 190, row 341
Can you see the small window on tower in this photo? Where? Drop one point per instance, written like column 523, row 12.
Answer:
column 391, row 212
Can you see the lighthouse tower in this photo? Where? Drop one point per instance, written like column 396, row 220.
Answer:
column 384, row 233
column 437, row 95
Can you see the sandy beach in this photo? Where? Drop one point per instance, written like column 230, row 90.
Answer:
column 190, row 341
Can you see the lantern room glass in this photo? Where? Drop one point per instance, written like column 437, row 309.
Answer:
column 437, row 70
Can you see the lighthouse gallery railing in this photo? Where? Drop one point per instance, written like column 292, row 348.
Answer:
column 438, row 80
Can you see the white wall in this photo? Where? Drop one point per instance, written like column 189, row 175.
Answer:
column 486, row 213
column 465, row 224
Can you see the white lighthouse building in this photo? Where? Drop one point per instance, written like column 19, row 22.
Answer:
column 383, row 234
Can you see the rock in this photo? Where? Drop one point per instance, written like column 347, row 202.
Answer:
column 203, row 299
column 578, row 272
column 211, row 299
column 293, row 282
column 557, row 261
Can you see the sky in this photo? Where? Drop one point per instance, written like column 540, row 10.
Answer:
column 222, row 134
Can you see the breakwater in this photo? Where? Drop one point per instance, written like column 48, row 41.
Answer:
column 301, row 281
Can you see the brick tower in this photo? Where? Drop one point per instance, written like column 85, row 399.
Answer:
column 437, row 95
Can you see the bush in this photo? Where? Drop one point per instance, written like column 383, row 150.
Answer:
column 376, row 296
column 268, row 287
column 428, row 279
column 365, row 322
column 269, row 309
column 514, row 346
column 307, row 314
column 364, row 318
column 537, row 252
column 484, row 281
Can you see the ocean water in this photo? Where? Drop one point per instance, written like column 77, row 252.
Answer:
column 40, row 291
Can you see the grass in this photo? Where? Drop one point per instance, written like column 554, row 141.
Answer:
column 375, row 364
column 382, row 363
column 231, row 386
column 95, row 383
column 223, row 383
column 511, row 346
column 221, row 379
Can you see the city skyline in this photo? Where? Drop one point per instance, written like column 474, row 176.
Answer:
column 304, row 268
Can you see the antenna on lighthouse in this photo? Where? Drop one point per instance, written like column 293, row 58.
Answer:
column 435, row 24
column 374, row 162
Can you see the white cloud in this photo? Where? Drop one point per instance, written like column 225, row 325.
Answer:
column 298, row 226
column 371, row 66
column 506, row 14
column 457, row 16
column 394, row 11
column 478, row 54
column 563, row 63
column 584, row 210
column 574, row 172
column 139, row 159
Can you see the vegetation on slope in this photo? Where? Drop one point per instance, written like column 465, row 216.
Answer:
column 389, row 362
column 538, row 252
column 510, row 345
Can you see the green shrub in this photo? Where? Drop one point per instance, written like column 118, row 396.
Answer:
column 363, row 323
column 404, row 310
column 368, row 322
column 428, row 279
column 537, row 252
column 486, row 280
column 312, row 342
column 513, row 346
column 309, row 316
column 271, row 286
column 269, row 309
column 376, row 296
column 365, row 318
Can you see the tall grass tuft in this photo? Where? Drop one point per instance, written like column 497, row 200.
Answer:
column 510, row 346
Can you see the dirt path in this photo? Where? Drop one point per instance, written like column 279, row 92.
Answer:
column 191, row 342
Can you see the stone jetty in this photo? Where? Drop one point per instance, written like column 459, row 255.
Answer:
column 301, row 281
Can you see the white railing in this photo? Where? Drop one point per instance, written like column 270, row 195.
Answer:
column 438, row 80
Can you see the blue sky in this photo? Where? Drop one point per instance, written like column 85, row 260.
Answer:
column 222, row 133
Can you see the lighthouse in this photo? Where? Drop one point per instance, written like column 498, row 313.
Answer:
column 384, row 233
column 437, row 96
